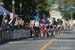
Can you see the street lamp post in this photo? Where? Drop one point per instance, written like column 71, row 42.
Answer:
column 62, row 13
column 13, row 8
column 20, row 8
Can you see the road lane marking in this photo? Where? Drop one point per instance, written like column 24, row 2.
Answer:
column 69, row 31
column 65, row 40
column 61, row 48
column 47, row 44
column 50, row 42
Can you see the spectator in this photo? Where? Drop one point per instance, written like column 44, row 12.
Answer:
column 11, row 23
column 19, row 23
column 4, row 24
column 1, row 18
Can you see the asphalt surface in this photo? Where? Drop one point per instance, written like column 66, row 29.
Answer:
column 65, row 41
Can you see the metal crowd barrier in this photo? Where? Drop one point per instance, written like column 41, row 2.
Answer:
column 9, row 35
column 12, row 35
column 5, row 35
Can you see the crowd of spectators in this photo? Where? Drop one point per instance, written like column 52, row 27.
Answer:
column 10, row 22
column 37, row 27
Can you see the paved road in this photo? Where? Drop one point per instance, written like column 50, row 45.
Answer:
column 65, row 41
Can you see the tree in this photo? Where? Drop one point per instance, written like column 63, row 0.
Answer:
column 64, row 4
column 8, row 4
column 59, row 21
column 29, row 7
column 44, row 6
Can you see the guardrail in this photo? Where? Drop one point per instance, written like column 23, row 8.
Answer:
column 12, row 35
column 9, row 35
column 5, row 35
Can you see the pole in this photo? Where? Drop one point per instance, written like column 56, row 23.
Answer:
column 20, row 8
column 13, row 8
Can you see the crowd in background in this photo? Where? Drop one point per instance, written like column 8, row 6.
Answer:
column 11, row 22
column 37, row 28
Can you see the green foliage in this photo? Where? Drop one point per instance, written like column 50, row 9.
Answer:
column 67, row 3
column 28, row 6
column 8, row 4
column 59, row 21
column 44, row 6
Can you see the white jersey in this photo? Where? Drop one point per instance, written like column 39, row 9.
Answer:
column 36, row 23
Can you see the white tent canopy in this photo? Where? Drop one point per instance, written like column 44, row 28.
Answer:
column 4, row 11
